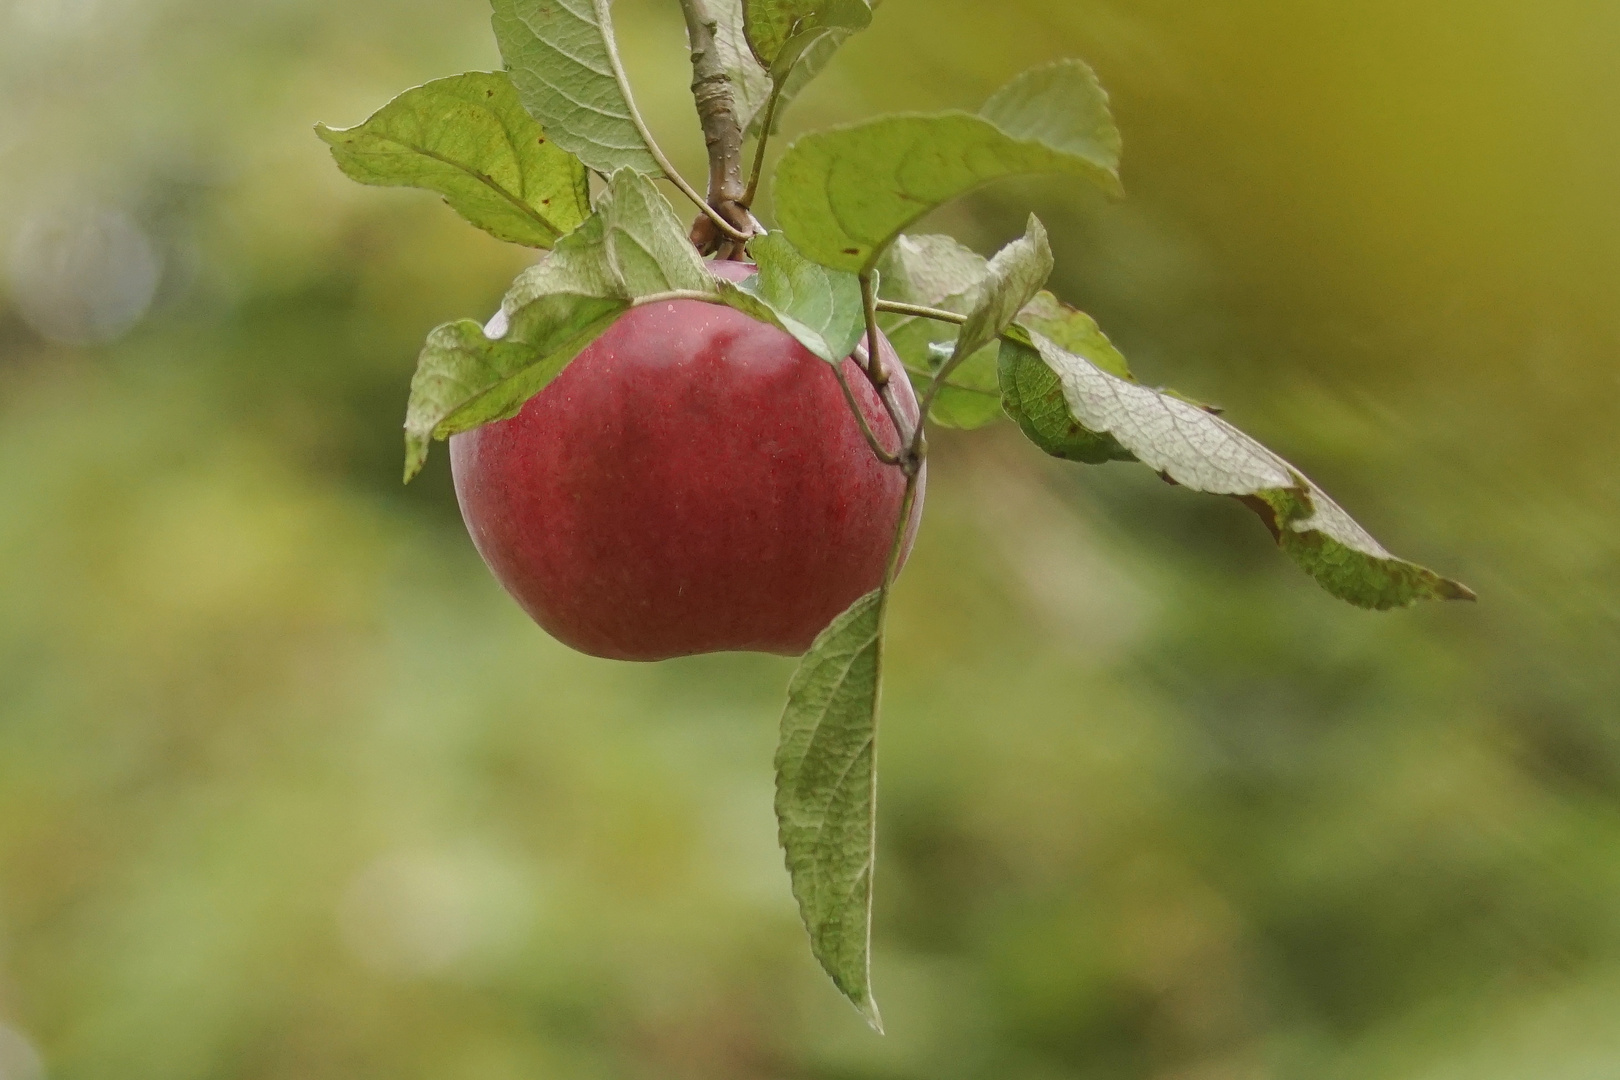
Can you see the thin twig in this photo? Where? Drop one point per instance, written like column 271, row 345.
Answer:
column 894, row 307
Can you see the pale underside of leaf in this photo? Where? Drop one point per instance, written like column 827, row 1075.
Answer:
column 1012, row 278
column 1074, row 330
column 928, row 268
column 468, row 138
column 647, row 246
column 566, row 68
column 826, row 788
column 1032, row 394
column 1192, row 447
column 939, row 272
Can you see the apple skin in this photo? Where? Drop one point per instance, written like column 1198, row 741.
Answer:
column 693, row 481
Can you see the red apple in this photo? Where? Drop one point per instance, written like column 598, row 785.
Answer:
column 694, row 481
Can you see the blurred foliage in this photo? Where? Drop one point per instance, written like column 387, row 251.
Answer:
column 289, row 789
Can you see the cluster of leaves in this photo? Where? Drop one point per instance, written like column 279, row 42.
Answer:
column 514, row 151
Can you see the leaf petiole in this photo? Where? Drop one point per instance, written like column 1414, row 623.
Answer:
column 759, row 144
column 939, row 314
column 860, row 418
column 911, row 439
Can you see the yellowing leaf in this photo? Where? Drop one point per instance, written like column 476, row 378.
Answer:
column 468, row 138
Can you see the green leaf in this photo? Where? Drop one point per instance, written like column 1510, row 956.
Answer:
column 971, row 395
column 646, row 243
column 800, row 37
column 812, row 61
column 1190, row 446
column 1032, row 395
column 465, row 378
column 750, row 83
column 468, row 138
column 1344, row 559
column 843, row 195
column 769, row 23
column 632, row 247
column 820, row 307
column 936, row 271
column 565, row 64
column 1060, row 105
column 773, row 25
column 826, row 787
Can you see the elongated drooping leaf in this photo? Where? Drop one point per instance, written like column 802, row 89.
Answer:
column 820, row 307
column 565, row 64
column 468, row 138
column 750, row 83
column 843, row 195
column 1196, row 449
column 632, row 247
column 1032, row 394
column 826, row 794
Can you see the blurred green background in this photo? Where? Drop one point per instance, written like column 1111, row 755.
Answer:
column 289, row 789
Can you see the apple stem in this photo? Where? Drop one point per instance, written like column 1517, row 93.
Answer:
column 717, row 110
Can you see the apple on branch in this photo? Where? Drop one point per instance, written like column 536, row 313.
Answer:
column 692, row 482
